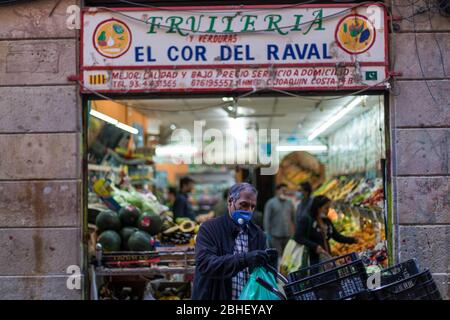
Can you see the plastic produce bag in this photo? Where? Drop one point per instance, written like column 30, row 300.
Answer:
column 254, row 291
column 295, row 256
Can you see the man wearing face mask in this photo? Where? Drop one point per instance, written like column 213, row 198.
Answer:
column 279, row 219
column 229, row 247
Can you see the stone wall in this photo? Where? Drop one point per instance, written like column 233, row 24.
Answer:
column 40, row 147
column 420, row 138
column 40, row 159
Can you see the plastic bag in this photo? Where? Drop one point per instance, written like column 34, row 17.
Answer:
column 254, row 291
column 295, row 256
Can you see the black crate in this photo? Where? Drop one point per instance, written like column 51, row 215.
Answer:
column 342, row 282
column 399, row 272
column 417, row 287
column 323, row 266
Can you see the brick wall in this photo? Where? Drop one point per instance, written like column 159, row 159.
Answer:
column 40, row 159
column 420, row 129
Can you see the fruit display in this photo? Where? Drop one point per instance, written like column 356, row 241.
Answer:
column 298, row 167
column 110, row 240
column 375, row 258
column 108, row 220
column 182, row 231
column 150, row 222
column 129, row 215
column 368, row 237
column 125, row 233
column 357, row 192
column 128, row 230
column 141, row 241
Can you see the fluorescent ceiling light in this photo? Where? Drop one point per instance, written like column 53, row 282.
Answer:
column 336, row 117
column 226, row 99
column 169, row 150
column 103, row 117
column 113, row 121
column 128, row 128
column 289, row 148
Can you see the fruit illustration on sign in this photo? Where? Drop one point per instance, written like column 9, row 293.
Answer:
column 112, row 38
column 355, row 34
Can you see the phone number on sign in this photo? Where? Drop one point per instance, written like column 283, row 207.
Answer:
column 212, row 83
column 135, row 84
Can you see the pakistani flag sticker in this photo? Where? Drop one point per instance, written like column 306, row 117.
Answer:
column 371, row 75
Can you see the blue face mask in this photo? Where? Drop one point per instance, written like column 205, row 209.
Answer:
column 242, row 217
column 299, row 195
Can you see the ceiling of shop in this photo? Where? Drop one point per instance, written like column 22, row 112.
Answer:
column 291, row 115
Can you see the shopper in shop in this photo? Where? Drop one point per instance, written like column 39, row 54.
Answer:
column 181, row 207
column 221, row 208
column 279, row 219
column 229, row 247
column 171, row 196
column 315, row 230
column 304, row 194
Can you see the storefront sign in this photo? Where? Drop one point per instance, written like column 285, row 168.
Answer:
column 228, row 48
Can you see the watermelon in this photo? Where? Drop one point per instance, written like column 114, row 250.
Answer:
column 110, row 240
column 141, row 241
column 129, row 215
column 108, row 220
column 126, row 233
column 150, row 222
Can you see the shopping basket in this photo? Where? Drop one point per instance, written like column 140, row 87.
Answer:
column 323, row 266
column 405, row 282
column 338, row 280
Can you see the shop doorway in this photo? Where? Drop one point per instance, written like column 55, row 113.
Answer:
column 336, row 143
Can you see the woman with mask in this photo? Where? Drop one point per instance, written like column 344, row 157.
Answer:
column 314, row 230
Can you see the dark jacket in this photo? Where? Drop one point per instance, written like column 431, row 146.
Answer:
column 215, row 262
column 182, row 208
column 303, row 208
column 308, row 233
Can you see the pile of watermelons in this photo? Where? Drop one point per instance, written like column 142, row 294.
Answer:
column 128, row 230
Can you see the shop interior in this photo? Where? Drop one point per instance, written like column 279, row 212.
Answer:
column 338, row 144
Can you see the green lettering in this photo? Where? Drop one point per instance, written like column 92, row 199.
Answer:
column 230, row 20
column 298, row 18
column 152, row 23
column 175, row 25
column 318, row 18
column 211, row 25
column 193, row 28
column 249, row 22
column 273, row 23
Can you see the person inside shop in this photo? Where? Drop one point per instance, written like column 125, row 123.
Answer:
column 171, row 196
column 181, row 207
column 304, row 194
column 316, row 229
column 229, row 247
column 220, row 208
column 279, row 219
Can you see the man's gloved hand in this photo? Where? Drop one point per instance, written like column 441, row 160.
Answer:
column 256, row 258
column 272, row 254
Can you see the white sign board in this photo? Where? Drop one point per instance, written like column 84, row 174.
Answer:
column 234, row 48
